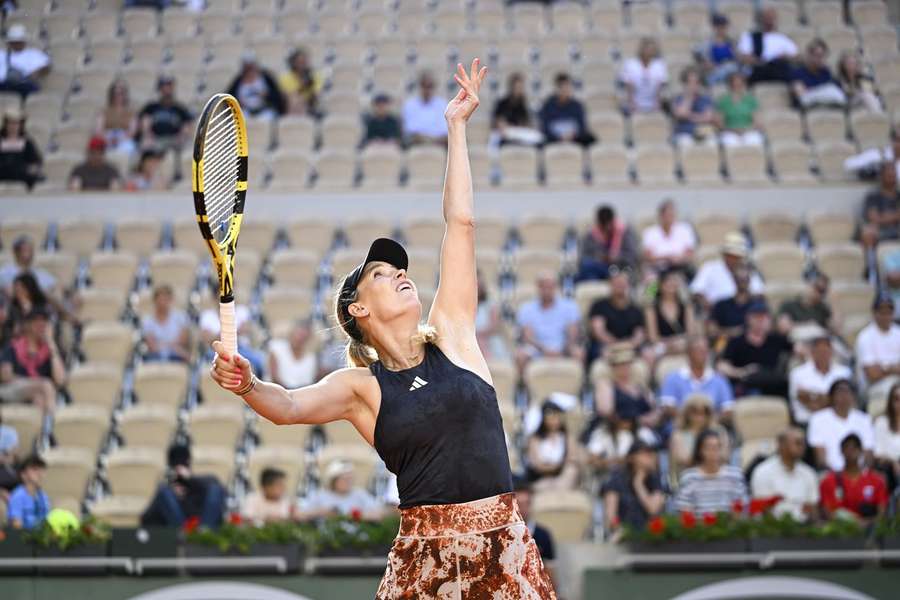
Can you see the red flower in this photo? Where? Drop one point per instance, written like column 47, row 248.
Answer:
column 761, row 505
column 710, row 519
column 191, row 524
column 356, row 514
column 737, row 507
column 656, row 525
column 2, row 535
column 688, row 520
column 235, row 519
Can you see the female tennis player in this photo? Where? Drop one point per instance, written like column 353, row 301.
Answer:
column 421, row 394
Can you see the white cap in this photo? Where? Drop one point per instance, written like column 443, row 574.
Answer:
column 335, row 469
column 17, row 33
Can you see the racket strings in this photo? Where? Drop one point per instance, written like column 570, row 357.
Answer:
column 220, row 177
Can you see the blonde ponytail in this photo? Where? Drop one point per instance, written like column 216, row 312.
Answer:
column 360, row 354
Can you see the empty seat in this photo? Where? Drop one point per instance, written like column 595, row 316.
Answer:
column 95, row 384
column 79, row 237
column 542, row 232
column 826, row 127
column 68, row 471
column 270, row 434
column 258, row 234
column 518, row 166
column 359, row 233
column 340, row 132
column 758, row 417
column 712, row 228
column 783, row 126
column 61, row 265
column 424, row 232
column 294, row 267
column 81, row 426
column 824, row 14
column 120, row 511
column 830, row 228
column 841, row 262
column 176, row 269
column 11, row 229
column 381, row 167
column 831, row 160
column 746, row 164
column 313, row 235
column 342, row 433
column 870, row 129
column 217, row 425
column 107, row 341
column 26, row 419
column 530, row 263
column 700, row 164
column 568, row 514
column 296, row 132
column 335, row 169
column 588, row 292
column 164, row 384
column 135, row 471
column 868, row 12
column 650, row 128
column 655, row 165
column 608, row 127
column 426, row 166
column 774, row 227
column 139, row 237
column 290, row 170
column 544, row 376
column 851, row 298
column 564, row 165
column 609, row 166
column 791, row 163
column 147, row 425
column 285, row 304
column 781, row 262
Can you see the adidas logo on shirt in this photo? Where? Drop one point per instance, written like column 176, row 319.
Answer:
column 417, row 383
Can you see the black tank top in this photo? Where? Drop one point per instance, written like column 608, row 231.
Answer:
column 440, row 432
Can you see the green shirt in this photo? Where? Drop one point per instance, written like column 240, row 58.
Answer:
column 737, row 114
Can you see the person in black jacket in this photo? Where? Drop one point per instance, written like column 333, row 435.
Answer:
column 185, row 496
column 257, row 90
column 512, row 122
column 20, row 159
column 563, row 117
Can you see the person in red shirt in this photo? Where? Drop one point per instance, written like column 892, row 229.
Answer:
column 857, row 490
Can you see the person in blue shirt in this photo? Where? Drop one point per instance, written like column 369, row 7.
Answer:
column 718, row 56
column 812, row 84
column 697, row 378
column 563, row 117
column 28, row 503
column 693, row 111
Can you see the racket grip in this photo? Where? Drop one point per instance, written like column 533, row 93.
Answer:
column 228, row 333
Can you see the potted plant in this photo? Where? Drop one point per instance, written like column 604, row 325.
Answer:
column 888, row 532
column 784, row 533
column 711, row 533
column 353, row 536
column 90, row 538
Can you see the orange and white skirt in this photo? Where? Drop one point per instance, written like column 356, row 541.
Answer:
column 469, row 551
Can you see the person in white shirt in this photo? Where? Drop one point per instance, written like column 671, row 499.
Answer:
column 767, row 51
column 785, row 474
column 21, row 67
column 340, row 496
column 644, row 79
column 292, row 360
column 830, row 425
column 270, row 503
column 715, row 279
column 423, row 114
column 669, row 243
column 878, row 347
column 887, row 439
column 809, row 383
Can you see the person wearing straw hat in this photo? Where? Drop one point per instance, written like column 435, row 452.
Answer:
column 339, row 495
column 715, row 279
column 22, row 67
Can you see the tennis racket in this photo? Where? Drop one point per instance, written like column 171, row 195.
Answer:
column 219, row 182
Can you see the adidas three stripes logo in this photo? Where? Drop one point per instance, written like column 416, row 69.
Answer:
column 417, row 383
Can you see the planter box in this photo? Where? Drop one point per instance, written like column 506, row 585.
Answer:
column 293, row 555
column 144, row 542
column 808, row 545
column 890, row 543
column 86, row 551
column 15, row 546
column 379, row 551
column 689, row 547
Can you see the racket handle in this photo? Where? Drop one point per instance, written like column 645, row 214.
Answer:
column 228, row 333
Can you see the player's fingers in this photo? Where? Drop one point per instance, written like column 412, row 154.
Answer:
column 474, row 68
column 219, row 349
column 482, row 74
column 462, row 72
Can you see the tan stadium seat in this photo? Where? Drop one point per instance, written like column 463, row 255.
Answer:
column 362, row 456
column 772, row 98
column 518, row 166
column 754, row 449
column 783, row 126
column 259, row 134
column 747, row 165
column 851, row 298
column 777, row 292
column 95, row 384
column 80, row 426
column 831, row 160
column 80, row 111
column 879, row 41
column 568, row 514
column 381, row 167
column 61, row 265
column 774, row 227
column 147, row 425
column 601, row 100
column 824, row 14
column 217, row 425
column 701, row 164
column 564, row 165
column 712, row 228
column 186, row 237
column 608, row 126
column 426, row 166
column 173, row 268
column 100, row 26
column 188, row 51
column 270, row 434
column 826, row 127
column 491, row 233
column 869, row 129
column 791, row 162
column 294, row 267
column 606, row 17
column 739, row 13
column 258, row 234
column 655, row 165
column 888, row 76
column 359, row 233
column 335, row 169
column 424, row 266
column 217, row 461
column 391, row 50
column 588, row 292
column 112, row 271
column 294, row 20
column 667, row 365
column 61, row 25
column 489, row 264
column 529, row 263
column 286, row 458
column 258, row 24
column 297, row 133
column 503, row 374
column 678, row 44
column 390, row 75
column 216, row 24
column 647, row 17
column 281, row 304
column 650, row 129
column 780, row 262
column 107, row 53
column 569, row 18
column 481, row 163
column 841, row 262
column 247, row 267
column 868, row 12
column 758, row 417
column 135, row 471
column 555, row 52
column 544, row 376
column 542, row 232
column 57, row 168
column 217, row 75
column 139, row 236
column 147, row 53
column 411, row 23
column 424, row 232
column 79, row 237
column 160, row 383
column 139, row 23
column 311, row 235
column 529, row 19
column 68, row 471
column 26, row 420
column 345, row 260
column 841, row 39
column 290, row 170
column 830, row 228
column 120, row 511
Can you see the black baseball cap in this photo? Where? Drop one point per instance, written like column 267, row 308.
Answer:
column 758, row 306
column 719, row 19
column 640, row 445
column 882, row 299
column 381, row 250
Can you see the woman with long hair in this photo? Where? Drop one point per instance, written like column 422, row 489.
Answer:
column 670, row 319
column 887, row 439
column 26, row 296
column 709, row 486
column 421, row 394
column 695, row 417
column 20, row 159
column 117, row 123
column 858, row 85
column 552, row 459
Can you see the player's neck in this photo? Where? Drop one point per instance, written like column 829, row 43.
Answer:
column 398, row 349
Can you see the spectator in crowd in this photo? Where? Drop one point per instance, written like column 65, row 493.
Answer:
column 552, row 458
column 300, row 85
column 210, row 330
column 756, row 361
column 20, row 159
column 670, row 319
column 512, row 122
column 809, row 382
column 540, row 534
column 23, row 262
column 728, row 315
column 695, row 417
column 715, row 279
column 95, row 174
column 9, row 458
column 117, row 123
column 698, row 377
column 31, row 367
column 785, row 474
column 340, row 496
column 692, row 110
column 22, row 67
column 184, row 495
column 738, row 114
column 881, row 209
column 854, row 489
column 166, row 329
column 709, row 486
column 718, row 56
column 256, row 90
column 812, row 84
column 767, row 52
column 148, row 174
column 634, row 492
column 887, row 439
column 867, row 164
column 610, row 242
column 878, row 345
column 165, row 123
column 811, row 307
column 670, row 243
column 381, row 125
column 616, row 318
column 890, row 271
column 628, row 398
column 489, row 324
column 563, row 117
column 829, row 425
column 26, row 296
column 29, row 504
column 270, row 503
column 548, row 324
column 644, row 79
column 608, row 441
column 292, row 361
column 858, row 86
column 423, row 115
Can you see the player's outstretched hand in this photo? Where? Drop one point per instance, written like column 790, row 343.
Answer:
column 461, row 107
column 230, row 372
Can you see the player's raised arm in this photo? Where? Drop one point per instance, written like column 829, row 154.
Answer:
column 456, row 300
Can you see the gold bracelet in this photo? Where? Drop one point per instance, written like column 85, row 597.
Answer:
column 249, row 387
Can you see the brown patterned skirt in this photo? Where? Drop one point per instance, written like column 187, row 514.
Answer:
column 473, row 550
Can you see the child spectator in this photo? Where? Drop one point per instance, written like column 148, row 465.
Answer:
column 29, row 505
column 270, row 503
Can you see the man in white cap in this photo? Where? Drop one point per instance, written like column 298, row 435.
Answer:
column 715, row 279
column 338, row 495
column 21, row 67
